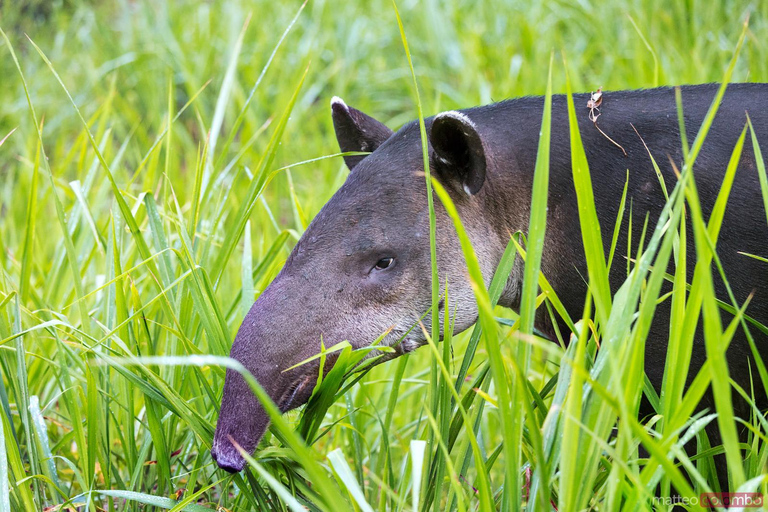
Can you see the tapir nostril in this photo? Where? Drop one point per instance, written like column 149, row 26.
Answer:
column 229, row 459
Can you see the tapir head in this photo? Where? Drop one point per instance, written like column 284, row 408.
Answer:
column 362, row 267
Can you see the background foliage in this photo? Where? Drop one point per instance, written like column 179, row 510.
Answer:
column 141, row 248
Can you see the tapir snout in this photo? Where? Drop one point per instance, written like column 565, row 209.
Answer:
column 262, row 347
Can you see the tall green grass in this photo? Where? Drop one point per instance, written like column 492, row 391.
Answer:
column 160, row 160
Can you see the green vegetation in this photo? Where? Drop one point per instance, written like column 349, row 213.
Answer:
column 157, row 166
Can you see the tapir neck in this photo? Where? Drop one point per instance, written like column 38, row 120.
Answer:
column 616, row 151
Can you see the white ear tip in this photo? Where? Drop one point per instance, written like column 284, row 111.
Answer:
column 338, row 101
column 458, row 116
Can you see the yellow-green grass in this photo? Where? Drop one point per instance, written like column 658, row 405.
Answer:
column 160, row 160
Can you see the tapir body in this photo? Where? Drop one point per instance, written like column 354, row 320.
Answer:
column 363, row 265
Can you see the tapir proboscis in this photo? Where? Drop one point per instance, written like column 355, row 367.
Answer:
column 363, row 265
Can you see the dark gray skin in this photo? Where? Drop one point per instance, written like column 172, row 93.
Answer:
column 363, row 265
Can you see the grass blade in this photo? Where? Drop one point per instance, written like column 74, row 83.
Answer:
column 347, row 477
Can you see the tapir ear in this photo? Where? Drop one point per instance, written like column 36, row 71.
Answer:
column 356, row 131
column 459, row 156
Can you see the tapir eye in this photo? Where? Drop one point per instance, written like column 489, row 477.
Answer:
column 384, row 263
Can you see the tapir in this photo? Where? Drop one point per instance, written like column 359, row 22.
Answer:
column 362, row 268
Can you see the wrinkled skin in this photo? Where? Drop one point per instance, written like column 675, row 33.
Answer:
column 340, row 284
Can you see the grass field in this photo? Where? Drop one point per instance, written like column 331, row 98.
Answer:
column 151, row 232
